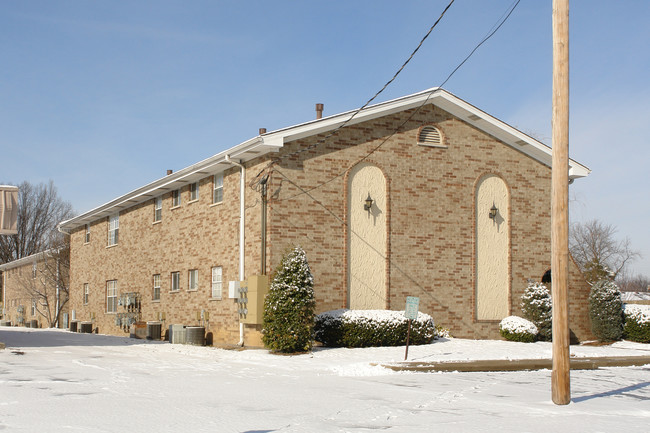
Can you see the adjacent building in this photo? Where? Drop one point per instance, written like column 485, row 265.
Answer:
column 425, row 195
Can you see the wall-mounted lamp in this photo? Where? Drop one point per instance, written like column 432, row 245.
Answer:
column 493, row 212
column 368, row 203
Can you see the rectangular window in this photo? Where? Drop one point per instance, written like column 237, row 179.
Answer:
column 217, row 192
column 113, row 229
column 33, row 308
column 176, row 281
column 157, row 209
column 176, row 198
column 111, row 296
column 86, row 293
column 34, row 270
column 87, row 238
column 194, row 191
column 216, row 282
column 193, row 280
column 156, row 287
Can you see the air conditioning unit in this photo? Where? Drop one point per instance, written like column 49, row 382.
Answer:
column 177, row 334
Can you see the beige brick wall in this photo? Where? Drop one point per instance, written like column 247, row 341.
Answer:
column 430, row 220
column 431, row 216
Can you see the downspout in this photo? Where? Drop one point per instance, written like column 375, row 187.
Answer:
column 242, row 228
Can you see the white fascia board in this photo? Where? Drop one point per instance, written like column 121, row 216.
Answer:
column 25, row 260
column 245, row 151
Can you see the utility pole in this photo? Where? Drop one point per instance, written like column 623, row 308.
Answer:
column 560, row 379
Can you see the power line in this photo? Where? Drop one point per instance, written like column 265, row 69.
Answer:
column 357, row 111
column 504, row 17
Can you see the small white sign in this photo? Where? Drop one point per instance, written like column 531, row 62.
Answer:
column 412, row 306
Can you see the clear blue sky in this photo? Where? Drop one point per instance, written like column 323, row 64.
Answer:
column 103, row 97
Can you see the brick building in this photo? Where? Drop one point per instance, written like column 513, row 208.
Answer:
column 33, row 290
column 425, row 195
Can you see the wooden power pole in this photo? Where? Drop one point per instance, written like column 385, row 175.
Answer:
column 560, row 381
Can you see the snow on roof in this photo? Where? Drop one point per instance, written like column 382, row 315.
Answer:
column 273, row 141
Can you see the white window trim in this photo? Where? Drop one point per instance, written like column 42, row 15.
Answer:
column 157, row 209
column 86, row 293
column 113, row 229
column 194, row 188
column 87, row 234
column 217, row 186
column 196, row 280
column 176, row 199
column 111, row 293
column 156, row 285
column 217, row 283
column 178, row 282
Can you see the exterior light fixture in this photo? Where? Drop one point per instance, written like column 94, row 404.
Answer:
column 368, row 203
column 493, row 212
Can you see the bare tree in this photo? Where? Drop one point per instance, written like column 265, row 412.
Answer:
column 48, row 284
column 40, row 209
column 597, row 252
column 633, row 283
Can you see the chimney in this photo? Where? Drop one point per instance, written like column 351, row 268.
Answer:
column 319, row 111
column 262, row 131
column 169, row 172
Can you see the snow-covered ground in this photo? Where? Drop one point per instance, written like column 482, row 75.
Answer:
column 56, row 381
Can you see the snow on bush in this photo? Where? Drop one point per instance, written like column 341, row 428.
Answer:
column 515, row 328
column 371, row 328
column 536, row 305
column 606, row 311
column 289, row 306
column 637, row 323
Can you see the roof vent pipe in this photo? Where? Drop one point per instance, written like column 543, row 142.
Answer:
column 319, row 111
column 262, row 131
column 169, row 172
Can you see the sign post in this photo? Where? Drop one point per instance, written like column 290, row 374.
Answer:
column 411, row 313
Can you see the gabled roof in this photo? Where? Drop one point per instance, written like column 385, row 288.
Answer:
column 273, row 141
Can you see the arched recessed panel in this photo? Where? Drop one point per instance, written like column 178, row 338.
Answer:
column 367, row 238
column 492, row 249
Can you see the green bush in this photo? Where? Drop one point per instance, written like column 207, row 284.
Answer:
column 536, row 306
column 371, row 328
column 637, row 323
column 289, row 306
column 518, row 329
column 606, row 311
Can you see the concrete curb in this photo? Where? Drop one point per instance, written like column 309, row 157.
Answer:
column 590, row 363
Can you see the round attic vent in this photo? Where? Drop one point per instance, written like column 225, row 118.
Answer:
column 430, row 136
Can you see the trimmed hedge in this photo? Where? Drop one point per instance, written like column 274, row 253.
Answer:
column 371, row 328
column 637, row 323
column 514, row 328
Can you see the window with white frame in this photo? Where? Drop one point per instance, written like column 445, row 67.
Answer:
column 176, row 198
column 33, row 308
column 111, row 296
column 87, row 237
column 176, row 281
column 217, row 191
column 194, row 191
column 156, row 287
column 157, row 209
column 193, row 280
column 34, row 270
column 216, row 282
column 113, row 229
column 86, row 293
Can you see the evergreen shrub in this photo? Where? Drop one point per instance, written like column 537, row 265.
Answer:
column 289, row 306
column 606, row 311
column 536, row 306
column 514, row 328
column 371, row 328
column 637, row 323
